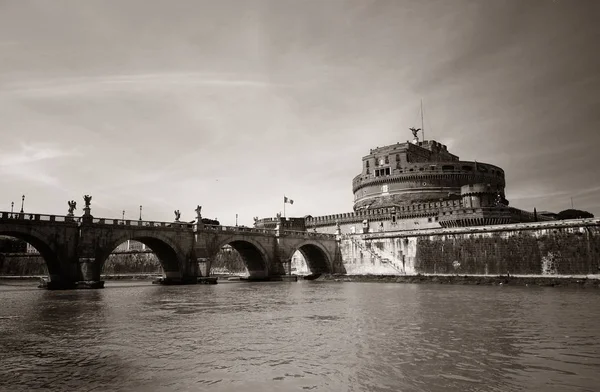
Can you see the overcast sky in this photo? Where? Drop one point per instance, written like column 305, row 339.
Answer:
column 232, row 104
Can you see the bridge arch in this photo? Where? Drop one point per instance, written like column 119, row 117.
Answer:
column 169, row 255
column 253, row 253
column 42, row 245
column 316, row 256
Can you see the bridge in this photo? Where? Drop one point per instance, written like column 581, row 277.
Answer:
column 76, row 248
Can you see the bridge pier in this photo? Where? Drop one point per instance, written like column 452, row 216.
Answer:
column 89, row 270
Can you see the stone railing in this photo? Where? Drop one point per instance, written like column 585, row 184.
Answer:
column 309, row 234
column 141, row 223
column 26, row 216
column 237, row 229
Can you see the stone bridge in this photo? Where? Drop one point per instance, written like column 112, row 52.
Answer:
column 76, row 248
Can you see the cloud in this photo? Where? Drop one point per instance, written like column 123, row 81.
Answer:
column 31, row 153
column 30, row 163
column 148, row 81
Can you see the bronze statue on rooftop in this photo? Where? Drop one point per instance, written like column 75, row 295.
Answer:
column 88, row 200
column 414, row 131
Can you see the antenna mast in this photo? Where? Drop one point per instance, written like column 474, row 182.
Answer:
column 422, row 124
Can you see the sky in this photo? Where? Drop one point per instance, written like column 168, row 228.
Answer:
column 233, row 104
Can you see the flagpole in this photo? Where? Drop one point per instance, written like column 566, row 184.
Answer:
column 284, row 206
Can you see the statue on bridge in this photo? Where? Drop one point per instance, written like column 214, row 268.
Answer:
column 88, row 200
column 199, row 212
column 177, row 215
column 72, row 207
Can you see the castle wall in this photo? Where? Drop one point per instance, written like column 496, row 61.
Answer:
column 543, row 248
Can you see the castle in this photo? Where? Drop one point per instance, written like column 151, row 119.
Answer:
column 417, row 185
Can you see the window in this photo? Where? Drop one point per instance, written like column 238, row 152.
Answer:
column 387, row 171
column 397, row 157
column 367, row 164
column 387, row 159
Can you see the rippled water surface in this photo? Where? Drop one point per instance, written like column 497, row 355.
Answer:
column 299, row 336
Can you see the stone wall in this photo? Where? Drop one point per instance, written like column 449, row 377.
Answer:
column 544, row 248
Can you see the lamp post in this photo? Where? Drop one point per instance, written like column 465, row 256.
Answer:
column 12, row 204
column 140, row 212
column 123, row 215
column 22, row 202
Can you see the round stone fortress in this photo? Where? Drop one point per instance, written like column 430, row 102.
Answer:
column 416, row 185
column 419, row 172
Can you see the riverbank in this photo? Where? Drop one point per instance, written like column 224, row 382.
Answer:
column 140, row 276
column 544, row 281
column 487, row 280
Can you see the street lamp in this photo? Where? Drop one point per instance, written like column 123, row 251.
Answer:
column 140, row 212
column 22, row 202
column 12, row 204
column 123, row 215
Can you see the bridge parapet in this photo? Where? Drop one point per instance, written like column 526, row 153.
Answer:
column 308, row 234
column 10, row 216
column 237, row 229
column 142, row 223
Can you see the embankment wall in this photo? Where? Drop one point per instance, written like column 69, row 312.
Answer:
column 545, row 248
column 118, row 263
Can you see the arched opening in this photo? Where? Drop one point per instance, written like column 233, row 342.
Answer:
column 252, row 258
column 228, row 261
column 140, row 255
column 132, row 258
column 310, row 259
column 26, row 255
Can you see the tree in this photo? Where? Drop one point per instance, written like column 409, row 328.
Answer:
column 574, row 214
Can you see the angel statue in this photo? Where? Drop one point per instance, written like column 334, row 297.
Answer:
column 88, row 200
column 199, row 210
column 255, row 219
column 177, row 215
column 72, row 206
column 414, row 131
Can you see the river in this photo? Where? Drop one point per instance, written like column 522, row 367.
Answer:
column 320, row 336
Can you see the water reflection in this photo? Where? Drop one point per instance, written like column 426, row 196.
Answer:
column 299, row 336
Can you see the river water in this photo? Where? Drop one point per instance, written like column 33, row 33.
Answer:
column 320, row 336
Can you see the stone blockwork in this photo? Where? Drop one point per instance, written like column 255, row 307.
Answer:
column 545, row 248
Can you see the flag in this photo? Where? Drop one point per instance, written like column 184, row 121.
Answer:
column 286, row 200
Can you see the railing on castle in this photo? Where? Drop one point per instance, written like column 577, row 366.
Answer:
column 570, row 225
column 385, row 213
